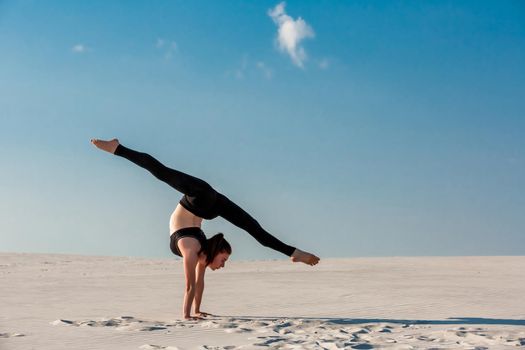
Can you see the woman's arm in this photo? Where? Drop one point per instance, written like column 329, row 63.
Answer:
column 190, row 262
column 199, row 286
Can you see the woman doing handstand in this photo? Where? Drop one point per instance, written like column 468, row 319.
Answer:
column 187, row 240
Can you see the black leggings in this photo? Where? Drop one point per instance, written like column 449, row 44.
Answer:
column 202, row 194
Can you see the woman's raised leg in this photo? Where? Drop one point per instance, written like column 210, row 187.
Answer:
column 240, row 218
column 180, row 181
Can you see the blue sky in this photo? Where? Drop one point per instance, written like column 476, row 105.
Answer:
column 345, row 128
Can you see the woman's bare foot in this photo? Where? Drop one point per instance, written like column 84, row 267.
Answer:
column 304, row 257
column 108, row 146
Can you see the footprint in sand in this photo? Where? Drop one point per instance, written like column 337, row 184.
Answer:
column 119, row 323
column 153, row 328
column 238, row 330
column 157, row 347
column 282, row 328
column 11, row 335
column 230, row 325
column 362, row 346
column 378, row 328
column 330, row 345
column 270, row 340
column 357, row 331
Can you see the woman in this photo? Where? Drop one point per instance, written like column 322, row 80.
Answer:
column 201, row 201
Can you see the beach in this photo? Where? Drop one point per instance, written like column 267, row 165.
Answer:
column 58, row 301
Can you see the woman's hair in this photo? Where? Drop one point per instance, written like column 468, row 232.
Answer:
column 215, row 245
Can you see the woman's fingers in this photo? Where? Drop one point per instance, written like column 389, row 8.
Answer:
column 204, row 314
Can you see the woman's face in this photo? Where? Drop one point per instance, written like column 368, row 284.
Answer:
column 219, row 260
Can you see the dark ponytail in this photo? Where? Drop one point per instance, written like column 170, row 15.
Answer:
column 215, row 245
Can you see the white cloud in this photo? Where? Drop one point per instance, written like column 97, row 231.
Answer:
column 290, row 33
column 79, row 48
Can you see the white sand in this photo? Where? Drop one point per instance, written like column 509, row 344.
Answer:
column 78, row 302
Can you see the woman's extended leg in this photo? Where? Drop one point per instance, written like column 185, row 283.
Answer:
column 237, row 216
column 180, row 181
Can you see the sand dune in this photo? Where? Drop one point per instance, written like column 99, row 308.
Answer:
column 66, row 302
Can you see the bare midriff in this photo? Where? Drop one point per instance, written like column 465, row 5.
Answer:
column 182, row 218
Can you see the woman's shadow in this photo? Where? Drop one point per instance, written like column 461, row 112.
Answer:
column 404, row 322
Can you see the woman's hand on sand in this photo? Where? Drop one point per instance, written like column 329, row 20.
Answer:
column 203, row 314
column 193, row 318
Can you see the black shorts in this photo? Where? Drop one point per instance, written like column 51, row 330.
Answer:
column 194, row 232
